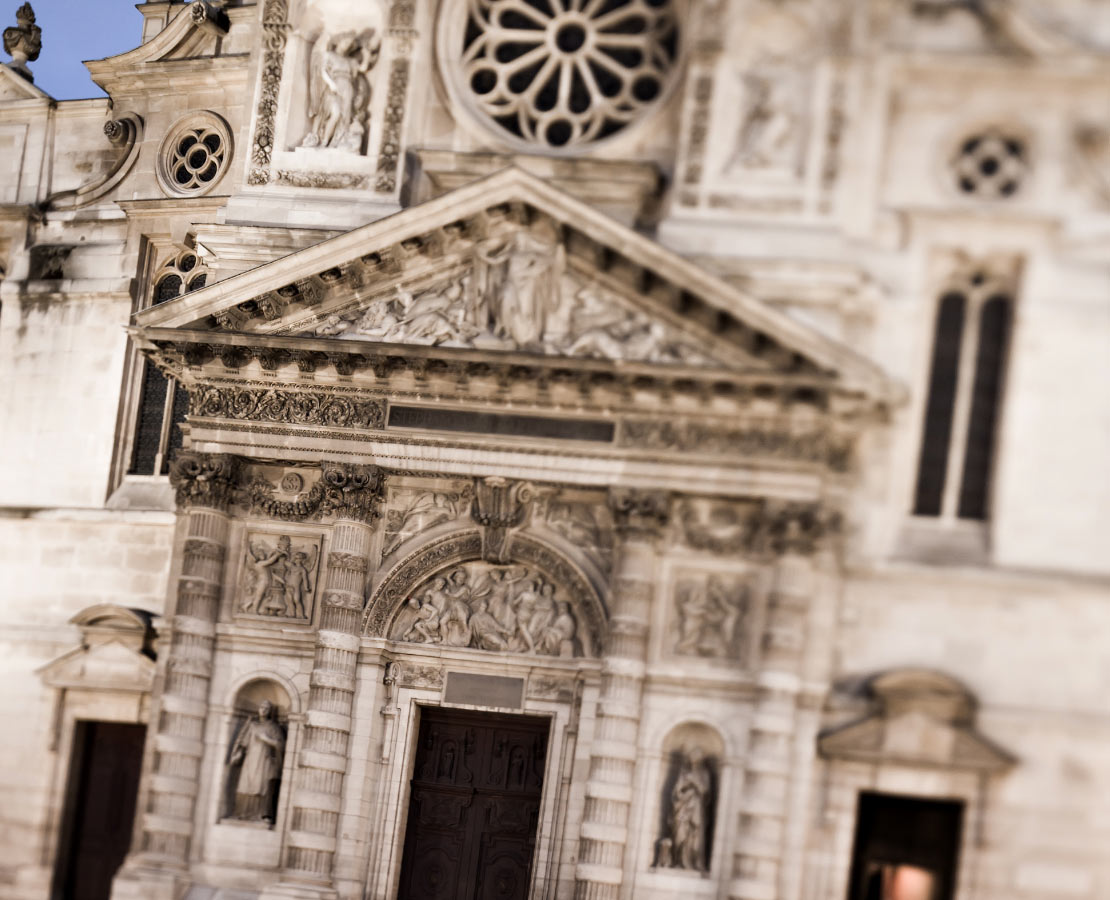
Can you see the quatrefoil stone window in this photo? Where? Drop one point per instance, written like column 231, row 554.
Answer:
column 194, row 154
column 561, row 73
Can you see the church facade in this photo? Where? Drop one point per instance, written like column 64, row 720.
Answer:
column 589, row 449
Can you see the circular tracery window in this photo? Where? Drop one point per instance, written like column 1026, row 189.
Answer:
column 991, row 164
column 194, row 154
column 561, row 73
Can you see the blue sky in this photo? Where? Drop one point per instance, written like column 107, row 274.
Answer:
column 72, row 31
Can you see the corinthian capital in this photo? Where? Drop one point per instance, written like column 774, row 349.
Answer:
column 352, row 492
column 638, row 513
column 204, row 479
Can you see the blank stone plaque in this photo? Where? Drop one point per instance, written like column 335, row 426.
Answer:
column 484, row 690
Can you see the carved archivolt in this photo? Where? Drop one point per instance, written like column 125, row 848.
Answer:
column 444, row 593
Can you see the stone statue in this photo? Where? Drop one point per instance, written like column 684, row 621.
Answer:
column 339, row 89
column 257, row 753
column 23, row 42
column 518, row 283
column 684, row 844
column 498, row 608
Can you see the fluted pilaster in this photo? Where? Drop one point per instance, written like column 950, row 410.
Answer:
column 639, row 518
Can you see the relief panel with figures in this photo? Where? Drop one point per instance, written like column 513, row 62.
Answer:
column 279, row 577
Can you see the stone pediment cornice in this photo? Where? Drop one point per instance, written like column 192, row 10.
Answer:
column 167, row 57
column 428, row 247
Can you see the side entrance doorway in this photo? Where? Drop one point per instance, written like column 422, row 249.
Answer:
column 100, row 808
column 474, row 806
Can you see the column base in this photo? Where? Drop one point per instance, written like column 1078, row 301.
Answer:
column 140, row 880
column 291, row 890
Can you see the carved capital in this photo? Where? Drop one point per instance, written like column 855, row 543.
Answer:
column 639, row 514
column 755, row 527
column 353, row 492
column 204, row 479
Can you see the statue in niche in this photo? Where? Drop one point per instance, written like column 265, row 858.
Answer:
column 497, row 608
column 339, row 89
column 683, row 845
column 768, row 121
column 709, row 614
column 255, row 763
column 278, row 578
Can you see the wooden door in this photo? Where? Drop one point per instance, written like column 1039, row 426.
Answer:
column 474, row 807
column 100, row 811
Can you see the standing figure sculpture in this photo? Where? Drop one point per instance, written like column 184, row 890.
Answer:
column 339, row 89
column 684, row 847
column 258, row 752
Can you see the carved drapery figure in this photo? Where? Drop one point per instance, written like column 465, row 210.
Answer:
column 517, row 284
column 767, row 135
column 502, row 608
column 683, row 846
column 23, row 41
column 339, row 89
column 709, row 612
column 257, row 754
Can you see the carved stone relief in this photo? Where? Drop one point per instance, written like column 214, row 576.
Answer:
column 499, row 505
column 339, row 89
column 587, row 525
column 254, row 764
column 769, row 131
column 711, row 615
column 413, row 675
column 516, row 295
column 511, row 609
column 755, row 527
column 412, row 511
column 279, row 577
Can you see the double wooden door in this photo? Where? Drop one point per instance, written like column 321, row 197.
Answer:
column 474, row 806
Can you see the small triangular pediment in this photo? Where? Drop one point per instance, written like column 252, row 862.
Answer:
column 512, row 264
column 14, row 88
column 110, row 665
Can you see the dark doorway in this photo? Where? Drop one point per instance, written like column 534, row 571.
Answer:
column 906, row 848
column 474, row 806
column 100, row 808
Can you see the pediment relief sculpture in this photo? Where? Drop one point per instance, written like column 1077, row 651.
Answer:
column 510, row 608
column 918, row 718
column 517, row 294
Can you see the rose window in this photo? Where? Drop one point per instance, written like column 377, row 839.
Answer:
column 194, row 154
column 560, row 73
column 991, row 164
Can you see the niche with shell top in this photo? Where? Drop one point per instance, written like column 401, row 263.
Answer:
column 692, row 754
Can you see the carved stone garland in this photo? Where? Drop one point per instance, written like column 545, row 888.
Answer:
column 275, row 32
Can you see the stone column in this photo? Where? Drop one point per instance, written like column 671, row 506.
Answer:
column 204, row 484
column 639, row 518
column 791, row 533
column 322, row 763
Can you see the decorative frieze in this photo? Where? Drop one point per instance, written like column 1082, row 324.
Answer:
column 768, row 439
column 288, row 407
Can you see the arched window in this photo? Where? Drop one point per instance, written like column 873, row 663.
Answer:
column 970, row 338
column 162, row 404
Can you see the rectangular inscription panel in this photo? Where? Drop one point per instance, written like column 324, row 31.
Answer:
column 484, row 690
column 500, row 424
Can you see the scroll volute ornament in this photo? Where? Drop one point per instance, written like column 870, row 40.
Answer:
column 352, row 491
column 638, row 514
column 204, row 479
column 499, row 504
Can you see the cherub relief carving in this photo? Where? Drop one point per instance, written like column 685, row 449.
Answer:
column 279, row 577
column 339, row 89
column 710, row 610
column 497, row 608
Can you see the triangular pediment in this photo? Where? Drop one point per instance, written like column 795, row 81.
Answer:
column 114, row 653
column 511, row 264
column 14, row 88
